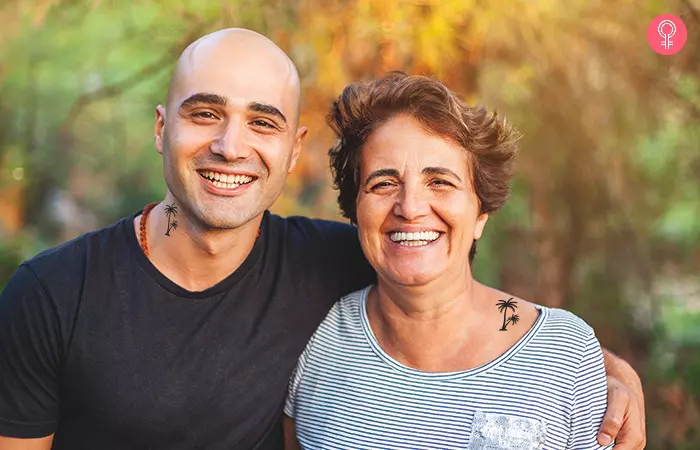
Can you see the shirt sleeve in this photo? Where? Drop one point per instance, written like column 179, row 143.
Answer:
column 590, row 397
column 295, row 380
column 30, row 349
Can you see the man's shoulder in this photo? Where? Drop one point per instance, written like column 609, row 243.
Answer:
column 319, row 238
column 73, row 255
column 56, row 277
column 325, row 254
column 306, row 227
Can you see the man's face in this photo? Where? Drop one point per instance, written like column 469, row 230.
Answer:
column 228, row 135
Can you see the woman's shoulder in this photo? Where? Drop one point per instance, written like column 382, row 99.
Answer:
column 549, row 328
column 530, row 312
column 565, row 337
column 354, row 298
column 352, row 304
column 561, row 320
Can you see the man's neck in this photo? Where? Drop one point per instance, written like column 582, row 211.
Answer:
column 192, row 257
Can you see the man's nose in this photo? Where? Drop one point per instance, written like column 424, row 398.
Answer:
column 412, row 203
column 230, row 141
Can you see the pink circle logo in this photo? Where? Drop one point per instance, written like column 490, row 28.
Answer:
column 667, row 34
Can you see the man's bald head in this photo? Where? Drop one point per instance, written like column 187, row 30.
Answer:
column 229, row 133
column 236, row 56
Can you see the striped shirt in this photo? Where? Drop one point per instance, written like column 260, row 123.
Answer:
column 548, row 391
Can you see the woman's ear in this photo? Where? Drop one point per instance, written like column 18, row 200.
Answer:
column 480, row 224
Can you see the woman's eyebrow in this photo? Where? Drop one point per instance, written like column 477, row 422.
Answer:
column 382, row 173
column 440, row 171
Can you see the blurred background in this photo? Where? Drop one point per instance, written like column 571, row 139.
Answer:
column 604, row 218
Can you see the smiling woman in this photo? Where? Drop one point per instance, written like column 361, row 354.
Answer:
column 361, row 109
column 428, row 356
column 416, row 185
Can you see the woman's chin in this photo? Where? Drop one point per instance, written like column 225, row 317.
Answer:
column 409, row 277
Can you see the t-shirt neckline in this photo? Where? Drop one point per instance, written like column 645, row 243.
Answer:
column 468, row 373
column 132, row 244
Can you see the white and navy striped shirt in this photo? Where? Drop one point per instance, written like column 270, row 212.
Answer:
column 547, row 392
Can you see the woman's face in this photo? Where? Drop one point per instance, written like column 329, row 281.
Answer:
column 417, row 213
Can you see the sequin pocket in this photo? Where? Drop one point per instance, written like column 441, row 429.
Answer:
column 492, row 431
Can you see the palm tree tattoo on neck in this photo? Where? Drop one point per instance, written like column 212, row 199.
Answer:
column 504, row 306
column 171, row 212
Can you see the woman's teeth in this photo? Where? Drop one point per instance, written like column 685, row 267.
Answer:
column 415, row 239
column 222, row 180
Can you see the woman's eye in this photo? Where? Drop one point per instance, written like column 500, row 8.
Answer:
column 441, row 183
column 381, row 184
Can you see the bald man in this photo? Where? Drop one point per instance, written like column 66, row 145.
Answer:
column 179, row 326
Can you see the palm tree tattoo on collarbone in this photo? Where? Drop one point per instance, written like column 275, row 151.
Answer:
column 504, row 306
column 171, row 212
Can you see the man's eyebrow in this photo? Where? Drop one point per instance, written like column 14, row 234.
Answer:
column 267, row 109
column 381, row 173
column 440, row 171
column 203, row 98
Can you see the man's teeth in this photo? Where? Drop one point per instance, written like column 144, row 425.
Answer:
column 223, row 180
column 414, row 239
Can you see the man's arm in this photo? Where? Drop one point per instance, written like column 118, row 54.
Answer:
column 26, row 444
column 624, row 419
column 30, row 357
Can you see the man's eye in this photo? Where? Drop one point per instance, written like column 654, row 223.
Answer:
column 263, row 124
column 204, row 115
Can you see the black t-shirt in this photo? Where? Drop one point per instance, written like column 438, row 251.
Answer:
column 98, row 347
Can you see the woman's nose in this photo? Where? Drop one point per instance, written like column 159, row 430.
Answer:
column 412, row 203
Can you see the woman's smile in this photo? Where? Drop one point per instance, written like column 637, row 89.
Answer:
column 417, row 212
column 414, row 238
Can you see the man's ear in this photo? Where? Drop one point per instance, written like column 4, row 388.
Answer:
column 159, row 128
column 480, row 225
column 296, row 151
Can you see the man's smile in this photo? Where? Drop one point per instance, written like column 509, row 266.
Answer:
column 226, row 181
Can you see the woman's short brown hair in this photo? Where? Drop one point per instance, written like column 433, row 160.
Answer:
column 363, row 107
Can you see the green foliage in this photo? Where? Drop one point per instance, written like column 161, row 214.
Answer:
column 10, row 259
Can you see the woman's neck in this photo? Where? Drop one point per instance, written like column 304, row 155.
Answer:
column 448, row 328
column 425, row 327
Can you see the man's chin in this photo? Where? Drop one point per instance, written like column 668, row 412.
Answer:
column 226, row 221
column 224, row 215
